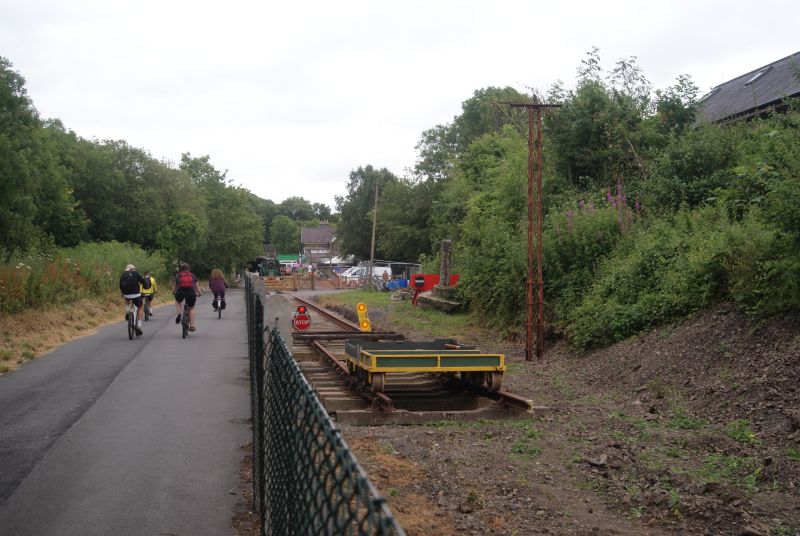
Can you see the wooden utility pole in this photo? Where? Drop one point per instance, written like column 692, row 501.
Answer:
column 534, row 147
column 372, row 245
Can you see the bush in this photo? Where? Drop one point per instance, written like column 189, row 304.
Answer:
column 670, row 269
column 576, row 241
column 692, row 168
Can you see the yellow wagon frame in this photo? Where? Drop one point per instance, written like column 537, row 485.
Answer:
column 376, row 359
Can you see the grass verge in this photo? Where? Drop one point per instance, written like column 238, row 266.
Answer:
column 33, row 332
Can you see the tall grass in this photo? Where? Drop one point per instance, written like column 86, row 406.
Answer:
column 40, row 278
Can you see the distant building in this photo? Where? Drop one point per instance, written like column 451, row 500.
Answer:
column 318, row 244
column 753, row 94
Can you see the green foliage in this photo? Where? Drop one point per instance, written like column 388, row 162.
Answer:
column 64, row 190
column 50, row 275
column 676, row 107
column 481, row 114
column 354, row 231
column 600, row 132
column 741, row 471
column 669, row 269
column 403, row 233
column 525, row 448
column 285, row 234
column 183, row 236
column 740, row 430
column 234, row 227
column 685, row 422
column 575, row 243
column 691, row 168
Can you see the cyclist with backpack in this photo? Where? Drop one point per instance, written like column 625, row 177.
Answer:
column 130, row 285
column 184, row 286
column 148, row 289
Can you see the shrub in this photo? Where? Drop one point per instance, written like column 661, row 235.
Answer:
column 671, row 268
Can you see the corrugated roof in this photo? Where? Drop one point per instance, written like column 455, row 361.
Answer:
column 316, row 235
column 748, row 93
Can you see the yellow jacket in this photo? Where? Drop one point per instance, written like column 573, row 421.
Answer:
column 151, row 290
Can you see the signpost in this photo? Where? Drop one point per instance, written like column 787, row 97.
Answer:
column 363, row 317
column 301, row 321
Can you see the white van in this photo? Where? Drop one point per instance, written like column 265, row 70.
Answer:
column 348, row 272
column 359, row 272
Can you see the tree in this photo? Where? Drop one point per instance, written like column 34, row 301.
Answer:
column 285, row 234
column 436, row 151
column 57, row 211
column 297, row 209
column 18, row 122
column 404, row 233
column 182, row 238
column 321, row 211
column 677, row 106
column 480, row 114
column 355, row 227
column 235, row 229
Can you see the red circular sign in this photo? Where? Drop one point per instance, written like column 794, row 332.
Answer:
column 301, row 322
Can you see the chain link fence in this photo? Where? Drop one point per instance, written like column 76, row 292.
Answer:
column 305, row 479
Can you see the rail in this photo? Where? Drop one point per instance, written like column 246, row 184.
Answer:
column 305, row 478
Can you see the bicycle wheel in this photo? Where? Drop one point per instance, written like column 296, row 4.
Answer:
column 131, row 324
column 135, row 320
column 185, row 322
column 219, row 308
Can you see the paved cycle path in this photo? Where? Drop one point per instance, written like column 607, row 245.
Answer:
column 111, row 436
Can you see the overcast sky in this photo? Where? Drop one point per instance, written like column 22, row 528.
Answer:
column 289, row 97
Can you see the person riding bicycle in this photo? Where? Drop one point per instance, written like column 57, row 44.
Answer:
column 130, row 285
column 217, row 285
column 184, row 287
column 148, row 289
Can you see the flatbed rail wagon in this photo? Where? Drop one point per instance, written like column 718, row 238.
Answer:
column 370, row 361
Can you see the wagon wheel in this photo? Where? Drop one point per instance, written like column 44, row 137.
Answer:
column 476, row 379
column 377, row 381
column 493, row 381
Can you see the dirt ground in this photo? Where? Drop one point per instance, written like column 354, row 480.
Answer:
column 690, row 429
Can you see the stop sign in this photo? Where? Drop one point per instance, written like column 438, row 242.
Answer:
column 301, row 322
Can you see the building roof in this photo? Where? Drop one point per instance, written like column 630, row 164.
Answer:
column 323, row 234
column 751, row 93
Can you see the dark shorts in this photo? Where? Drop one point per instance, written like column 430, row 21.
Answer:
column 136, row 301
column 187, row 294
column 148, row 297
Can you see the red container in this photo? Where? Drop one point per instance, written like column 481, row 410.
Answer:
column 426, row 282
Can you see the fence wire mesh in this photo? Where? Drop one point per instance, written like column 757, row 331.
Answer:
column 305, row 479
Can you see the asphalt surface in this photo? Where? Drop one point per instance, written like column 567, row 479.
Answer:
column 111, row 436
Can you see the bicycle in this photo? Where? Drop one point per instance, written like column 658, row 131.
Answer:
column 148, row 311
column 218, row 304
column 130, row 315
column 185, row 320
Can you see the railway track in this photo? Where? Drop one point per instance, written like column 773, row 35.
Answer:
column 406, row 398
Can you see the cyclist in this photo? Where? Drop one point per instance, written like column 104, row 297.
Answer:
column 130, row 285
column 148, row 289
column 217, row 285
column 184, row 286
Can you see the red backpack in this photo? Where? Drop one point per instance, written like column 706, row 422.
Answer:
column 185, row 280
